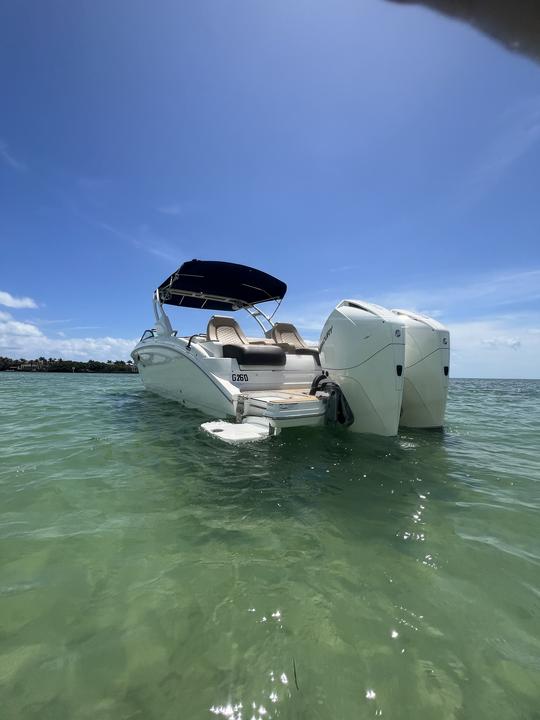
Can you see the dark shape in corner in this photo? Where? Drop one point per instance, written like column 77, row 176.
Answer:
column 514, row 23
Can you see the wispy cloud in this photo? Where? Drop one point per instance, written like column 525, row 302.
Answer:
column 7, row 156
column 144, row 239
column 156, row 245
column 518, row 133
column 85, row 327
column 345, row 268
column 488, row 293
column 482, row 296
column 502, row 342
column 42, row 321
column 11, row 301
column 311, row 318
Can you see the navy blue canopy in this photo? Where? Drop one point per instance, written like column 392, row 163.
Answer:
column 213, row 285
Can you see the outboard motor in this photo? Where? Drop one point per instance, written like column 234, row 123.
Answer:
column 362, row 347
column 427, row 362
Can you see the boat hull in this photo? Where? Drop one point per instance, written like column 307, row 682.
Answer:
column 175, row 375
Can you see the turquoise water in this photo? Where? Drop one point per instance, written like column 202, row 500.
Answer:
column 148, row 571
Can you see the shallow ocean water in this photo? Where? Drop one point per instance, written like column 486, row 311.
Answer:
column 149, row 571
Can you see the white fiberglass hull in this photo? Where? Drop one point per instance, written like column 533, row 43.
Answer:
column 175, row 375
column 220, row 388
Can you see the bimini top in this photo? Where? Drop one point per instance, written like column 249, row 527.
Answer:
column 212, row 285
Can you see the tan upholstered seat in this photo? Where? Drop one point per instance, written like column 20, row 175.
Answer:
column 287, row 334
column 225, row 330
column 228, row 332
column 287, row 337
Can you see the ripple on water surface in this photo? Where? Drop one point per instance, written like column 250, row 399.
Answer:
column 149, row 571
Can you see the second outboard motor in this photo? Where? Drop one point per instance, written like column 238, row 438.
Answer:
column 427, row 360
column 362, row 347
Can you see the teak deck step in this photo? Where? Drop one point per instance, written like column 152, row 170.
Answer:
column 292, row 395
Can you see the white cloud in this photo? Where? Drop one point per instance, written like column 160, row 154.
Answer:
column 20, row 329
column 16, row 302
column 502, row 342
column 14, row 329
column 102, row 348
column 504, row 347
column 9, row 159
column 24, row 339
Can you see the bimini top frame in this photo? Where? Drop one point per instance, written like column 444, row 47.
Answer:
column 214, row 285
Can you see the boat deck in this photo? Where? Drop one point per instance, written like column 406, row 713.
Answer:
column 283, row 397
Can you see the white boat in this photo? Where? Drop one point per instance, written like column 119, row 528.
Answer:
column 254, row 387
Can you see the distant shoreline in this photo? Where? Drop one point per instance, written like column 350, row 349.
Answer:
column 59, row 365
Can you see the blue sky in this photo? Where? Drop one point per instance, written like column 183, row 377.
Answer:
column 354, row 149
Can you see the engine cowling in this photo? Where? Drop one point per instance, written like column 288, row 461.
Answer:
column 427, row 364
column 362, row 347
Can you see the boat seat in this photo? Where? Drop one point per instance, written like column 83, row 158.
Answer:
column 285, row 335
column 224, row 329
column 256, row 354
column 228, row 332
